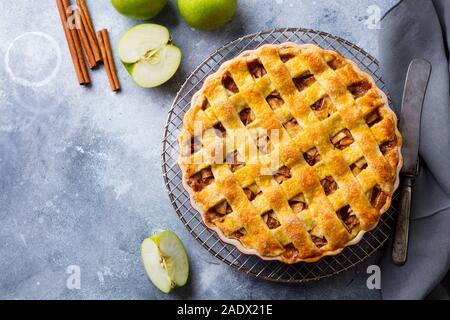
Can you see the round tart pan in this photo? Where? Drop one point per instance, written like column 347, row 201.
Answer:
column 192, row 220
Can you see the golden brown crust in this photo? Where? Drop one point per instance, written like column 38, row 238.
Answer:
column 318, row 145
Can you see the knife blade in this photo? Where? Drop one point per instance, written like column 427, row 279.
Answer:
column 413, row 96
column 416, row 85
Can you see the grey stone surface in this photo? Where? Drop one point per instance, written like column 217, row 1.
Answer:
column 80, row 172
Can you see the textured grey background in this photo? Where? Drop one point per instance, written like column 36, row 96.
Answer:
column 80, row 176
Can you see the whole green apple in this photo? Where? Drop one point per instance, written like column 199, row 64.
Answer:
column 206, row 14
column 139, row 9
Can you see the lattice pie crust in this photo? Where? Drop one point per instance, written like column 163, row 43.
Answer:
column 338, row 151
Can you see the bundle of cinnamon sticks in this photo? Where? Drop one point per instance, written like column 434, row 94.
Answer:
column 83, row 44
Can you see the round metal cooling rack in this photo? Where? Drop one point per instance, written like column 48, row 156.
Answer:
column 252, row 265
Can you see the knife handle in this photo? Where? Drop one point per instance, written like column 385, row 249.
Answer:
column 400, row 249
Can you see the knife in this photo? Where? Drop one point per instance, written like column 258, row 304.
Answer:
column 413, row 96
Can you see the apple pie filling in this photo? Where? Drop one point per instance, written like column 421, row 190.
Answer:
column 386, row 147
column 324, row 108
column 263, row 144
column 336, row 63
column 373, row 118
column 329, row 185
column 238, row 234
column 319, row 242
column 377, row 198
column 201, row 180
column 312, row 156
column 292, row 127
column 195, row 144
column 256, row 68
column 270, row 218
column 342, row 139
column 304, row 81
column 298, row 203
column 348, row 217
column 283, row 174
column 360, row 89
column 286, row 57
column 274, row 100
column 218, row 213
column 229, row 84
column 234, row 161
column 247, row 116
column 222, row 132
column 205, row 104
column 358, row 166
column 252, row 191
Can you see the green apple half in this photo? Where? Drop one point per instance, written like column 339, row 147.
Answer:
column 165, row 261
column 148, row 54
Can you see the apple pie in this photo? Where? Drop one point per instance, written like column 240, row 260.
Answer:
column 290, row 152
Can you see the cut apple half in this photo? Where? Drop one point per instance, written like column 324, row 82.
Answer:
column 165, row 261
column 148, row 54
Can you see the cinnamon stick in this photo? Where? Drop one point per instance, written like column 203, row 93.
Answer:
column 88, row 26
column 108, row 61
column 105, row 59
column 85, row 43
column 77, row 44
column 71, row 43
column 110, row 58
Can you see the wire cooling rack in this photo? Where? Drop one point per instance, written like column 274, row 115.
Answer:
column 252, row 265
